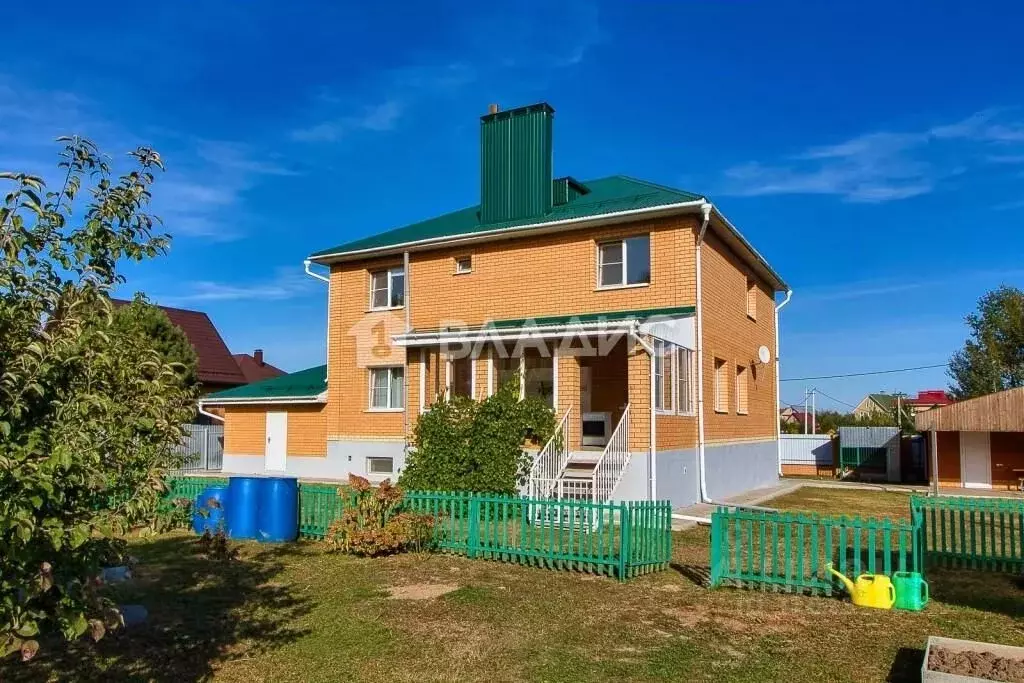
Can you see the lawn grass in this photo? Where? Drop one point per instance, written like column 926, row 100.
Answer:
column 301, row 613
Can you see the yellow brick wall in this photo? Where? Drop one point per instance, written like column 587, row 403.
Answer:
column 307, row 430
column 549, row 275
column 729, row 334
column 639, row 381
column 675, row 431
column 569, row 396
column 348, row 411
column 245, row 429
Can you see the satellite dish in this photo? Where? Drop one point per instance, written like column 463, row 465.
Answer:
column 764, row 355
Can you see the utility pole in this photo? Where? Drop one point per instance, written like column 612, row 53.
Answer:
column 805, row 410
column 814, row 412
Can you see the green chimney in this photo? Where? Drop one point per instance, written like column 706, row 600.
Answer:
column 515, row 163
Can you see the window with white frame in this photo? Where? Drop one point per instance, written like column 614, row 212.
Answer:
column 539, row 377
column 506, row 369
column 387, row 388
column 461, row 377
column 387, row 288
column 721, row 386
column 624, row 262
column 662, row 383
column 463, row 265
column 684, row 381
column 377, row 465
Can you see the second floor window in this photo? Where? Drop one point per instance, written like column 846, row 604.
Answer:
column 624, row 262
column 387, row 288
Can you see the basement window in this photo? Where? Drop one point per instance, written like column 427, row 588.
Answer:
column 380, row 465
column 387, row 289
column 624, row 263
column 463, row 265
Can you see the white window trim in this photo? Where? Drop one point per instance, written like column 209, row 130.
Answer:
column 667, row 375
column 460, row 259
column 423, row 380
column 490, row 372
column 371, row 473
column 391, row 277
column 374, row 409
column 472, row 378
column 676, row 402
column 625, row 264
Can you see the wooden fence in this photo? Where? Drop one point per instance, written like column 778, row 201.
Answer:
column 789, row 551
column 974, row 533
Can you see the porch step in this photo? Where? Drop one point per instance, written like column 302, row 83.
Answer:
column 579, row 470
column 585, row 456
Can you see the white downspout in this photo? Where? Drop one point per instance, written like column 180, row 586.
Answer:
column 652, row 474
column 408, row 329
column 706, row 211
column 306, row 266
column 778, row 395
column 199, row 406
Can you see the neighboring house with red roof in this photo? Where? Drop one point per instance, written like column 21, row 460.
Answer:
column 926, row 400
column 254, row 368
column 217, row 368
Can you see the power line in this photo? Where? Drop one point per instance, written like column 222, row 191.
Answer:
column 864, row 374
column 835, row 399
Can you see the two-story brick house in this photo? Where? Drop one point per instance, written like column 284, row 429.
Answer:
column 637, row 311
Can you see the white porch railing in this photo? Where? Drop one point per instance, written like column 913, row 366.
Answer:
column 550, row 461
column 612, row 464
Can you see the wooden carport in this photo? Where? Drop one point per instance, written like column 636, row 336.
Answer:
column 999, row 415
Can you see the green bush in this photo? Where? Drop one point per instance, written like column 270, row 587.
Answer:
column 466, row 445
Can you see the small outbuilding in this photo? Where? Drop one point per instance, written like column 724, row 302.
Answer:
column 977, row 443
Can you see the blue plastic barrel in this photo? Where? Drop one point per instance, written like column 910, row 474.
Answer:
column 279, row 510
column 243, row 506
column 207, row 515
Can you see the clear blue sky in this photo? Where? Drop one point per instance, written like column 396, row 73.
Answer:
column 874, row 153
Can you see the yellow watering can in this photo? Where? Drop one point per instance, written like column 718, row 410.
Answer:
column 869, row 590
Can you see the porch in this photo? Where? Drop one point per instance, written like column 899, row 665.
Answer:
column 603, row 383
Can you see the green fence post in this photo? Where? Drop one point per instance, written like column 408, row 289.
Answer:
column 716, row 548
column 473, row 537
column 624, row 533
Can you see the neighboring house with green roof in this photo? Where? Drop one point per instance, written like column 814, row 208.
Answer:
column 637, row 311
column 875, row 404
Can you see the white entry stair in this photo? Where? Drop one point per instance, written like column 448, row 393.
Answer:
column 588, row 475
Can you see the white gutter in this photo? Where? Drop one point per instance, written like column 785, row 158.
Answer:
column 321, row 398
column 515, row 231
column 408, row 328
column 706, row 210
column 778, row 395
column 307, row 263
column 199, row 405
column 652, row 475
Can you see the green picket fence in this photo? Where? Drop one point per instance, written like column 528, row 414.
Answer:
column 789, row 551
column 973, row 533
column 611, row 539
column 190, row 487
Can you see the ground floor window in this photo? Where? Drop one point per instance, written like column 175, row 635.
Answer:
column 505, row 370
column 539, row 377
column 742, row 389
column 462, row 377
column 684, row 381
column 721, row 386
column 387, row 388
column 662, row 387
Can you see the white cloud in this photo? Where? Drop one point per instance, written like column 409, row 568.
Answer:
column 376, row 118
column 881, row 166
column 288, row 283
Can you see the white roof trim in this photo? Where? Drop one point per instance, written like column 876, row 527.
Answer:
column 319, row 398
column 513, row 333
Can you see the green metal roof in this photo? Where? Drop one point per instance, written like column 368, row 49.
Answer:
column 607, row 195
column 885, row 401
column 303, row 384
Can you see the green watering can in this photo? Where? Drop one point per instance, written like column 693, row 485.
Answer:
column 911, row 591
